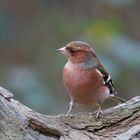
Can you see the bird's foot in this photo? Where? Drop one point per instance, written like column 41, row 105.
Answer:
column 99, row 111
column 71, row 107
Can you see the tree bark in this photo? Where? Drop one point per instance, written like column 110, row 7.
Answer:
column 18, row 122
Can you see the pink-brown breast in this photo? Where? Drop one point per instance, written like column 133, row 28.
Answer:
column 85, row 86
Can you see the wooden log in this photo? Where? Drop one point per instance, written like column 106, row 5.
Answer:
column 18, row 122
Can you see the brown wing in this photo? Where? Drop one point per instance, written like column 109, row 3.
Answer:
column 107, row 79
column 101, row 68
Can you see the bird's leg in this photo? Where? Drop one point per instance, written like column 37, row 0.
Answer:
column 71, row 106
column 99, row 111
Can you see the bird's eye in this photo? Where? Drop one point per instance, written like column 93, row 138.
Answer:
column 72, row 50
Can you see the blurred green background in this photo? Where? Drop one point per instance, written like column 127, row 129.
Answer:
column 31, row 31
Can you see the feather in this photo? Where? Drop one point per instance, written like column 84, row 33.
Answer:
column 107, row 79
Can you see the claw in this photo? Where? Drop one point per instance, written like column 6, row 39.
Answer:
column 71, row 107
column 99, row 111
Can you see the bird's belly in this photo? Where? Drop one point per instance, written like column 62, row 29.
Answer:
column 84, row 87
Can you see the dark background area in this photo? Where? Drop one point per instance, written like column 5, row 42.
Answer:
column 31, row 31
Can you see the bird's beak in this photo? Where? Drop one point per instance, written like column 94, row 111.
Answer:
column 62, row 51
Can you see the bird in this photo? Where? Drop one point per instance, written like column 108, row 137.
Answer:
column 85, row 78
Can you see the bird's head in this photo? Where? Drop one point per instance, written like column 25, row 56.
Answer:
column 77, row 51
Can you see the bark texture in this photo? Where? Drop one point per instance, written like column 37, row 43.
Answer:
column 18, row 122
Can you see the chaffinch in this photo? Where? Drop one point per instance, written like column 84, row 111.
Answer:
column 86, row 80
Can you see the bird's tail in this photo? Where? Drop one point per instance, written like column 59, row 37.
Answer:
column 117, row 99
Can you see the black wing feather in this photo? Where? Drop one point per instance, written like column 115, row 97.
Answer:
column 110, row 84
column 107, row 79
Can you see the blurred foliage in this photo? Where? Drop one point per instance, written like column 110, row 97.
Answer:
column 104, row 29
column 31, row 31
